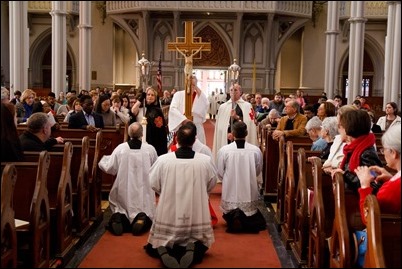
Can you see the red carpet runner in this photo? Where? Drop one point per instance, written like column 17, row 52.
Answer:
column 228, row 251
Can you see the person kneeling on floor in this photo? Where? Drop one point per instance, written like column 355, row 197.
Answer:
column 182, row 231
column 131, row 199
column 239, row 164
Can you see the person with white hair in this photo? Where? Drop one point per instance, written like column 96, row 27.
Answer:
column 313, row 128
column 389, row 195
column 329, row 129
column 263, row 110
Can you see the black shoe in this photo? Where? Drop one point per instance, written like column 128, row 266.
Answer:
column 188, row 257
column 115, row 225
column 168, row 261
column 141, row 224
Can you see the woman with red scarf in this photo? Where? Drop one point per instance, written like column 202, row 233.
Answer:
column 359, row 150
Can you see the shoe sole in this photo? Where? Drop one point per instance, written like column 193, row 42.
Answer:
column 167, row 260
column 188, row 257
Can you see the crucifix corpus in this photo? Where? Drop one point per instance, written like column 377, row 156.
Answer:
column 188, row 46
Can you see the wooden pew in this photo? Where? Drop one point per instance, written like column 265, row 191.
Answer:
column 321, row 217
column 8, row 232
column 31, row 204
column 288, row 197
column 383, row 236
column 347, row 220
column 281, row 174
column 59, row 188
column 83, row 151
column 291, row 183
column 271, row 161
column 299, row 246
column 270, row 167
column 99, row 182
column 111, row 138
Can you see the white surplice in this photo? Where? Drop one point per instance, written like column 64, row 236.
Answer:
column 182, row 214
column 198, row 111
column 223, row 120
column 238, row 168
column 131, row 192
column 202, row 148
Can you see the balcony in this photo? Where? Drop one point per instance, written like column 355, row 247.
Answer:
column 290, row 8
column 44, row 7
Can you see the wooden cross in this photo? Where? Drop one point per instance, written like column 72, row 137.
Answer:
column 189, row 45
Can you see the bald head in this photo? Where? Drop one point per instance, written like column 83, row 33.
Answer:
column 135, row 130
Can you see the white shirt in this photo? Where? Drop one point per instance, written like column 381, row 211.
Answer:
column 239, row 169
column 222, row 124
column 199, row 111
column 182, row 213
column 131, row 192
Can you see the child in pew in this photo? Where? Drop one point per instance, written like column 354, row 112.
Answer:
column 38, row 135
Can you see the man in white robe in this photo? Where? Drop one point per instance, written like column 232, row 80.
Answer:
column 131, row 195
column 199, row 110
column 239, row 163
column 229, row 112
column 183, row 179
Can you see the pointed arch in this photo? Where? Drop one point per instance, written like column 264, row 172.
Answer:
column 37, row 51
column 254, row 41
column 219, row 54
column 376, row 54
column 163, row 33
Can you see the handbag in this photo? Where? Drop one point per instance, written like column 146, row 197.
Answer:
column 360, row 239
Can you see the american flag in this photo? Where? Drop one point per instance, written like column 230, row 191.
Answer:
column 159, row 76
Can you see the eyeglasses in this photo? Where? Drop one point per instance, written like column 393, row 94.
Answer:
column 382, row 150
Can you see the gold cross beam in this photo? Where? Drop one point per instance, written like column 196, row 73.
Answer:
column 190, row 42
column 189, row 46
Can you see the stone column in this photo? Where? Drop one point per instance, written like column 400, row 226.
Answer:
column 176, row 25
column 59, row 46
column 85, row 44
column 356, row 49
column 270, row 71
column 392, row 66
column 331, row 48
column 19, row 46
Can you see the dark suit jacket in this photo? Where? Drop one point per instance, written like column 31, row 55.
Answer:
column 78, row 121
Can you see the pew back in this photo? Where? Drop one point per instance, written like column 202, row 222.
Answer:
column 60, row 199
column 8, row 232
column 383, row 236
column 31, row 204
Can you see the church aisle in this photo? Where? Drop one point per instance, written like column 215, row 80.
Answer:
column 261, row 250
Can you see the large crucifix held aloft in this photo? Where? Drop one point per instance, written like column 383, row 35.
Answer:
column 189, row 46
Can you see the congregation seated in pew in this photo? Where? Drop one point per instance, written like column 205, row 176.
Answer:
column 359, row 151
column 293, row 124
column 37, row 137
column 86, row 119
